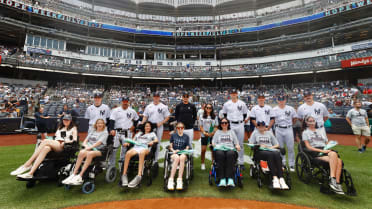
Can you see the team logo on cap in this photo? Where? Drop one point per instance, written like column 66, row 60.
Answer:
column 317, row 111
column 129, row 115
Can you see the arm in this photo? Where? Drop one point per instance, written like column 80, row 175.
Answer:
column 272, row 120
column 177, row 112
column 309, row 147
column 349, row 121
column 162, row 122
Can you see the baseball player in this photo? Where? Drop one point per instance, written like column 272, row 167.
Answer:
column 285, row 116
column 186, row 113
column 124, row 118
column 262, row 112
column 358, row 120
column 315, row 109
column 236, row 112
column 157, row 113
column 97, row 111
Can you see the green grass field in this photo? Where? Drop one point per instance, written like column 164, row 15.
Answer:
column 14, row 194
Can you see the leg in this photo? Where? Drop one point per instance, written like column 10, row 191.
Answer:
column 357, row 140
column 53, row 145
column 338, row 170
column 203, row 150
column 128, row 156
column 289, row 141
column 112, row 158
column 90, row 156
column 239, row 132
column 79, row 161
column 36, row 153
column 280, row 136
column 230, row 164
column 182, row 165
column 176, row 160
column 220, row 159
column 142, row 156
column 159, row 134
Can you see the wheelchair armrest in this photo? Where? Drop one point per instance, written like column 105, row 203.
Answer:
column 211, row 147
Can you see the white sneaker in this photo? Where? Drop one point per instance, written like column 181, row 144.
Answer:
column 282, row 183
column 276, row 184
column 203, row 167
column 68, row 179
column 76, row 180
column 170, row 184
column 291, row 169
column 20, row 170
column 179, row 184
column 25, row 176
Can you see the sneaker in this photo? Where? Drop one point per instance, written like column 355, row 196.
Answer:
column 124, row 180
column 25, row 176
column 291, row 169
column 276, row 184
column 360, row 150
column 333, row 185
column 68, row 179
column 364, row 147
column 170, row 184
column 340, row 191
column 179, row 184
column 76, row 180
column 20, row 170
column 222, row 183
column 203, row 167
column 282, row 183
column 230, row 182
column 135, row 182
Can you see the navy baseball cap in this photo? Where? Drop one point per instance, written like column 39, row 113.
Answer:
column 233, row 91
column 156, row 94
column 98, row 94
column 125, row 99
column 261, row 123
column 185, row 93
column 281, row 98
column 307, row 93
column 261, row 94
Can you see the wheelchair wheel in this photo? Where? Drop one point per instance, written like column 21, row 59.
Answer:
column 88, row 187
column 253, row 172
column 111, row 174
column 259, row 182
column 303, row 167
column 210, row 180
column 348, row 180
column 30, row 184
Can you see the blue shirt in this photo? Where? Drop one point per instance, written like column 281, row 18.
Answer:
column 179, row 142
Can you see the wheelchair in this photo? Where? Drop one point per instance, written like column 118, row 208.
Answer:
column 188, row 171
column 260, row 171
column 238, row 172
column 98, row 165
column 310, row 169
column 148, row 168
column 54, row 165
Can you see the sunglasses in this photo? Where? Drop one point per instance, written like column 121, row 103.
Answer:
column 208, row 108
column 180, row 128
column 311, row 121
column 224, row 123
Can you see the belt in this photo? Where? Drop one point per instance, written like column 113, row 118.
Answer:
column 236, row 122
column 279, row 126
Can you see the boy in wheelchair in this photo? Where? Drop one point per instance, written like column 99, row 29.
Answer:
column 178, row 142
column 94, row 147
column 315, row 140
column 144, row 139
column 267, row 151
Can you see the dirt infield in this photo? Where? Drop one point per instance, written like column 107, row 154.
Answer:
column 21, row 139
column 185, row 203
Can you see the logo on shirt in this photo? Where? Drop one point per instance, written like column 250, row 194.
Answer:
column 287, row 113
column 225, row 138
column 240, row 108
column 317, row 111
column 102, row 112
column 160, row 110
column 267, row 112
column 264, row 140
column 129, row 115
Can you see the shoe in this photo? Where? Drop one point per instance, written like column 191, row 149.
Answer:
column 340, row 191
column 20, row 170
column 179, row 184
column 364, row 148
column 170, row 184
column 276, row 184
column 68, row 179
column 242, row 167
column 230, row 182
column 135, row 182
column 360, row 150
column 333, row 185
column 25, row 176
column 76, row 180
column 203, row 167
column 124, row 180
column 291, row 169
column 282, row 183
column 222, row 183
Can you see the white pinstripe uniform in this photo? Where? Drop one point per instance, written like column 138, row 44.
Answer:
column 94, row 113
column 316, row 110
column 262, row 114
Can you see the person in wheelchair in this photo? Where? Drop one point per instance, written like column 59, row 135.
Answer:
column 266, row 139
column 178, row 141
column 315, row 140
column 146, row 137
column 225, row 137
column 66, row 133
column 94, row 145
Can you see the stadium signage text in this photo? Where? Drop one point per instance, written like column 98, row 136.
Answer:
column 356, row 62
column 208, row 33
column 348, row 7
column 46, row 13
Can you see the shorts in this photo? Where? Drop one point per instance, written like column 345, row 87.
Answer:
column 361, row 131
column 139, row 149
column 205, row 141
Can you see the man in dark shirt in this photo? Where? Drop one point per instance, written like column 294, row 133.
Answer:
column 40, row 119
column 186, row 113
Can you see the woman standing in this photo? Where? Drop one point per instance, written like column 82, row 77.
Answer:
column 208, row 126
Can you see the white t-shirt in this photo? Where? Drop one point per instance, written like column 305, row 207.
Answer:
column 284, row 117
column 94, row 113
column 267, row 139
column 317, row 110
column 235, row 110
column 145, row 138
column 207, row 122
column 123, row 118
column 358, row 118
column 262, row 113
column 156, row 113
column 315, row 139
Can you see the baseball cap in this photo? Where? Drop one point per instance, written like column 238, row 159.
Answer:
column 261, row 123
column 67, row 117
column 156, row 94
column 185, row 93
column 125, row 99
column 307, row 93
column 261, row 94
column 233, row 91
column 281, row 98
column 98, row 94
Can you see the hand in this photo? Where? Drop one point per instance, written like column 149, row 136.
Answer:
column 150, row 144
column 112, row 132
column 88, row 149
column 263, row 146
column 132, row 129
column 326, row 151
column 159, row 124
column 238, row 148
column 175, row 151
column 126, row 144
column 246, row 121
column 206, row 134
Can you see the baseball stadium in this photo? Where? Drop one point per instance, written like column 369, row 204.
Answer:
column 178, row 104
